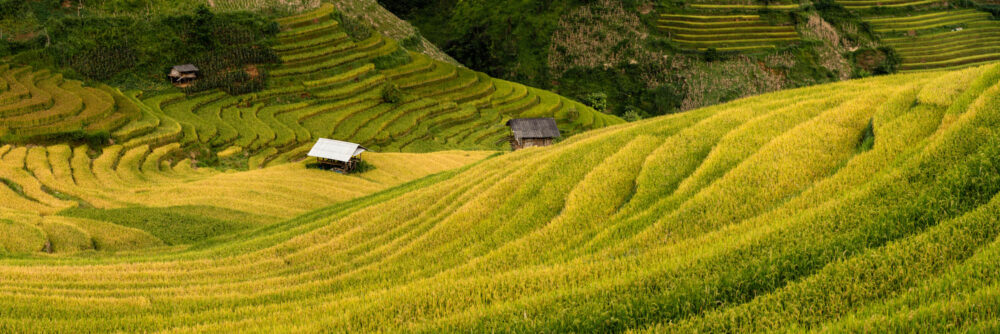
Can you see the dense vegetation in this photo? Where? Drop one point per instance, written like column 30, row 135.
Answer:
column 136, row 51
column 660, row 57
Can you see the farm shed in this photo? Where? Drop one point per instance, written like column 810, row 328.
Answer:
column 532, row 132
column 340, row 156
column 182, row 75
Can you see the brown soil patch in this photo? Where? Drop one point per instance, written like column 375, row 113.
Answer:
column 869, row 59
column 252, row 71
column 645, row 8
column 24, row 36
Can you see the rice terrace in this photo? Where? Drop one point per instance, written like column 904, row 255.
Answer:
column 473, row 166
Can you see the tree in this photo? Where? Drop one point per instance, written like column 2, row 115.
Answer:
column 391, row 93
column 204, row 22
column 598, row 101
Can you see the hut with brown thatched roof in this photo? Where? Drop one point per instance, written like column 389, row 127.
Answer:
column 532, row 132
column 183, row 75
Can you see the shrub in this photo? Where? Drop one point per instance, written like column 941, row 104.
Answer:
column 391, row 93
column 392, row 60
column 598, row 101
column 631, row 114
column 353, row 27
column 878, row 61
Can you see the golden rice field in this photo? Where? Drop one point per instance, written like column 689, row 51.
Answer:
column 860, row 206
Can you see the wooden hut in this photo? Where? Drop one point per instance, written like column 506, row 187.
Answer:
column 183, row 75
column 532, row 132
column 336, row 155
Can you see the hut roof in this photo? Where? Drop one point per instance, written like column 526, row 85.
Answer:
column 185, row 68
column 335, row 150
column 534, row 128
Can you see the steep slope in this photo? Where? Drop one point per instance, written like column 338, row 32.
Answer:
column 934, row 37
column 656, row 57
column 333, row 81
column 648, row 56
column 857, row 206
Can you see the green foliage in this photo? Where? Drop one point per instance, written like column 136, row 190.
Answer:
column 77, row 137
column 13, row 186
column 391, row 93
column 354, row 27
column 392, row 60
column 867, row 141
column 598, row 101
column 878, row 61
column 711, row 55
column 631, row 114
column 173, row 225
column 10, row 9
column 625, row 87
column 848, row 23
column 362, row 166
column 135, row 52
column 413, row 43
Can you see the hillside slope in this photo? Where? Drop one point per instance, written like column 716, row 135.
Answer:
column 929, row 36
column 858, row 206
column 336, row 79
column 660, row 56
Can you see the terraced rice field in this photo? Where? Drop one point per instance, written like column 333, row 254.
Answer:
column 743, row 4
column 861, row 206
column 48, row 180
column 37, row 105
column 727, row 26
column 870, row 4
column 939, row 39
column 326, row 86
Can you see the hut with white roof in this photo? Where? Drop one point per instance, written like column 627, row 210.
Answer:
column 340, row 156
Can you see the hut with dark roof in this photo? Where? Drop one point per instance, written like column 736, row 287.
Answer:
column 532, row 132
column 183, row 75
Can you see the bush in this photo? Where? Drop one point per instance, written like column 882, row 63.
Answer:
column 711, row 55
column 631, row 114
column 391, row 93
column 353, row 27
column 394, row 59
column 12, row 8
column 598, row 101
column 877, row 61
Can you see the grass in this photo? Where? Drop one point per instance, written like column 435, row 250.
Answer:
column 173, row 225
